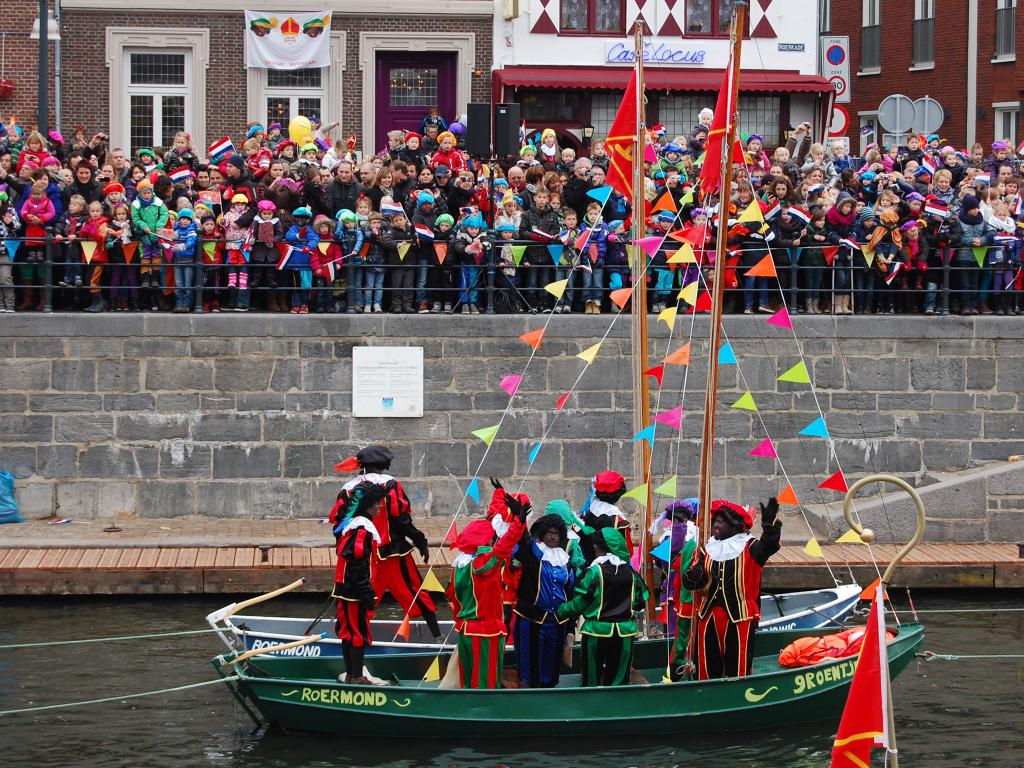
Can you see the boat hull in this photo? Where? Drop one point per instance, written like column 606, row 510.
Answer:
column 765, row 700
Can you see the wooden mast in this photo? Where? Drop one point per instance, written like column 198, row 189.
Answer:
column 638, row 328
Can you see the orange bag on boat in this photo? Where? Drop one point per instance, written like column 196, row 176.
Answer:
column 807, row 651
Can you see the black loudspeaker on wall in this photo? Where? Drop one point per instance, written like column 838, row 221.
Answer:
column 506, row 129
column 478, row 130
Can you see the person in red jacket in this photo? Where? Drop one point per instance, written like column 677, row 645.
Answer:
column 475, row 592
column 393, row 568
column 500, row 516
column 728, row 570
column 447, row 153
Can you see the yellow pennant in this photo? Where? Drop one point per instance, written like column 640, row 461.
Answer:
column 638, row 494
column 869, row 256
column 323, row 246
column 589, row 353
column 668, row 316
column 556, row 288
column 434, row 672
column 689, row 293
column 486, row 433
column 684, row 255
column 752, row 213
column 88, row 250
column 668, row 488
column 430, row 583
column 403, row 248
column 850, row 537
column 813, row 548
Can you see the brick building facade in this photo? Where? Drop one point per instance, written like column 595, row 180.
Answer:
column 962, row 53
column 139, row 75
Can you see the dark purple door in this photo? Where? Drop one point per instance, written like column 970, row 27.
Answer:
column 408, row 84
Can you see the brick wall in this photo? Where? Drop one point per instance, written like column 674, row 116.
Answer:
column 947, row 82
column 86, row 85
column 21, row 64
column 244, row 416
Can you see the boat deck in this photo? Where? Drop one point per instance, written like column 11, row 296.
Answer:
column 204, row 556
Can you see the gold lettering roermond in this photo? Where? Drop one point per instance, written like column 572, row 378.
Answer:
column 808, row 681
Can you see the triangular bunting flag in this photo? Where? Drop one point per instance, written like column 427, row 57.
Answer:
column 689, row 293
column 451, row 536
column 787, row 496
column 486, row 433
column 979, row 255
column 797, row 374
column 560, row 403
column 647, row 433
column 589, row 353
column 665, row 203
column 511, row 383
column 533, row 453
column 684, row 255
column 850, row 537
column 556, row 288
column 663, row 551
column 869, row 257
column 673, row 417
column 403, row 248
column 620, row 296
column 752, row 213
column 658, row 372
column 869, row 591
column 650, row 155
column 441, row 251
column 533, row 338
column 668, row 488
column 816, row 428
column 403, row 629
column 680, row 357
column 780, row 319
column 726, row 355
column 129, row 250
column 650, row 244
column 434, row 671
column 555, row 250
column 812, row 548
column 638, row 494
column 12, row 247
column 668, row 316
column 601, row 194
column 764, row 268
column 323, row 246
column 430, row 583
column 517, row 253
column 88, row 250
column 836, row 482
column 473, row 490
column 830, row 253
column 765, row 448
column 745, row 403
column 703, row 304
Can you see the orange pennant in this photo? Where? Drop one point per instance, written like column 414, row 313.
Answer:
column 621, row 296
column 787, row 496
column 533, row 338
column 129, row 250
column 764, row 268
column 348, row 464
column 441, row 249
column 680, row 357
column 403, row 629
column 665, row 203
column 869, row 591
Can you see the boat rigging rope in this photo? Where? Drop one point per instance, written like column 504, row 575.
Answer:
column 931, row 656
column 105, row 639
column 107, row 699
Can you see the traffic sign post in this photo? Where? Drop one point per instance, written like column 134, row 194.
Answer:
column 835, row 64
column 840, row 122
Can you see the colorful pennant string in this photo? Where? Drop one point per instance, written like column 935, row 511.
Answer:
column 764, row 268
column 663, row 551
column 88, row 250
column 780, row 319
column 668, row 315
column 511, row 383
column 816, row 428
column 745, row 403
column 657, row 373
column 403, row 249
column 788, row 496
column 620, row 296
column 647, row 433
column 560, row 403
column 517, row 253
column 668, row 488
column 589, row 353
column 684, row 255
column 434, row 670
column 726, row 355
column 601, row 194
column 752, row 213
column 473, row 490
column 533, row 453
column 533, row 338
column 797, row 374
column 486, row 434
column 430, row 583
column 650, row 244
column 665, row 203
column 850, row 537
column 673, row 417
column 979, row 255
column 555, row 249
column 689, row 293
column 812, row 548
column 836, row 482
column 323, row 246
column 638, row 494
column 765, row 448
column 680, row 357
column 556, row 288
column 441, row 251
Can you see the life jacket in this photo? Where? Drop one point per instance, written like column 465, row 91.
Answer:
column 807, row 651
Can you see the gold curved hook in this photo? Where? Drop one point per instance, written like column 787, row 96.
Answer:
column 867, row 535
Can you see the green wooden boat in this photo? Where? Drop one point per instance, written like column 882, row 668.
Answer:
column 303, row 694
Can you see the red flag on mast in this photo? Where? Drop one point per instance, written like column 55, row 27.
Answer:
column 711, row 171
column 620, row 143
column 865, row 723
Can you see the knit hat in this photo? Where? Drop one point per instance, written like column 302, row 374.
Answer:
column 446, row 135
column 238, row 197
column 50, row 160
column 613, row 225
column 934, row 137
column 253, row 130
column 423, row 198
column 266, row 205
column 321, row 219
column 302, row 212
column 609, row 482
column 143, row 184
column 969, row 202
column 445, row 218
column 274, row 127
column 739, row 515
column 112, row 187
column 56, row 137
column 547, row 132
column 413, row 135
column 186, row 213
column 237, row 161
column 868, row 176
column 867, row 212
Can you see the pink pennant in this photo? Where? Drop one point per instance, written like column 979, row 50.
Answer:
column 650, row 244
column 781, row 319
column 765, row 448
column 673, row 417
column 511, row 383
column 650, row 155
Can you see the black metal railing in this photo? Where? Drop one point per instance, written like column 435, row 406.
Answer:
column 924, row 41
column 1006, row 31
column 871, row 47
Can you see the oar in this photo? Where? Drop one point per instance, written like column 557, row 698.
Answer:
column 230, row 610
column 276, row 648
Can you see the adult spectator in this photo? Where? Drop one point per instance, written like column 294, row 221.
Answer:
column 575, row 193
column 85, row 184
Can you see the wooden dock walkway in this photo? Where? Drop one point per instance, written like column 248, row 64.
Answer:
column 203, row 556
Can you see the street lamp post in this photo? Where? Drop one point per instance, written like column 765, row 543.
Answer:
column 44, row 66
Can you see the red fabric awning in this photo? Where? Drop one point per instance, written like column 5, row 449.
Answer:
column 663, row 79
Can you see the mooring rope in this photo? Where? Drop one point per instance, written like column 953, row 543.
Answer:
column 106, row 639
column 930, row 656
column 70, row 704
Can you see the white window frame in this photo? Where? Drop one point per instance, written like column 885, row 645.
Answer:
column 1002, row 5
column 924, row 9
column 330, row 91
column 871, row 14
column 1000, row 111
column 157, row 92
column 195, row 41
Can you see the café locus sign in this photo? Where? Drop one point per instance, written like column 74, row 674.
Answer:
column 655, row 52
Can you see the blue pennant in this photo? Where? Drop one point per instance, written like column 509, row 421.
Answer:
column 816, row 428
column 533, row 453
column 726, row 356
column 556, row 252
column 12, row 247
column 473, row 490
column 601, row 194
column 647, row 433
column 664, row 550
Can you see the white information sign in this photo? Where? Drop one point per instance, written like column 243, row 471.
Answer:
column 835, row 64
column 387, row 381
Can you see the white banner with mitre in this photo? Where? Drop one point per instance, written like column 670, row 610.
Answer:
column 287, row 40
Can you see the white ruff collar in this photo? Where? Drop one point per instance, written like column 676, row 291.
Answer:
column 610, row 559
column 721, row 550
column 362, row 522
column 462, row 560
column 554, row 555
column 372, row 477
column 604, row 509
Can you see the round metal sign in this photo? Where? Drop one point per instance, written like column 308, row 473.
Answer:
column 928, row 115
column 896, row 113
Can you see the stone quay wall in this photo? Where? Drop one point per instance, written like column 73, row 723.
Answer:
column 240, row 416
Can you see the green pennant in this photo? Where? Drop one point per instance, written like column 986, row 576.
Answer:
column 668, row 488
column 797, row 374
column 486, row 433
column 745, row 403
column 517, row 253
column 638, row 494
column 979, row 255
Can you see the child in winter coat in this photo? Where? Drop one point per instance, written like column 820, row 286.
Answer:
column 447, row 153
column 211, row 245
column 236, row 238
column 265, row 233
column 566, row 257
column 974, row 233
column 505, row 299
column 8, row 226
column 539, row 224
column 149, row 216
column 66, row 233
column 790, row 234
column 373, row 265
column 446, row 268
column 184, row 257
column 124, row 284
column 93, row 238
column 471, row 247
column 1003, row 261
column 396, row 242
column 182, row 154
column 304, row 241
column 322, row 262
column 812, row 261
column 616, row 258
column 592, row 261
column 887, row 242
column 37, row 212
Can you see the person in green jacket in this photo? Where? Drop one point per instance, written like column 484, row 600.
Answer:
column 607, row 597
column 149, row 216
